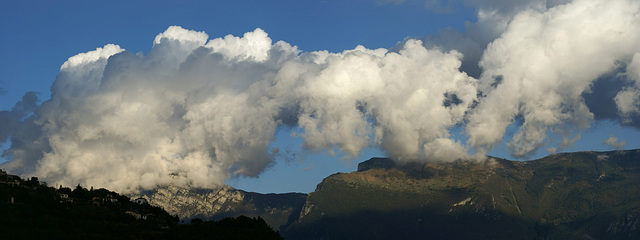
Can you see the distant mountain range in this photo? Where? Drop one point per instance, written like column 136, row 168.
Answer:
column 278, row 210
column 581, row 195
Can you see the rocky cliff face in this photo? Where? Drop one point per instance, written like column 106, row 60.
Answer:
column 195, row 203
column 214, row 204
column 584, row 195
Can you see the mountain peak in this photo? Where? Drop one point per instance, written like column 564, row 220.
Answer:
column 376, row 162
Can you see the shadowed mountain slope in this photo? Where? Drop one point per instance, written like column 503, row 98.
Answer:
column 582, row 195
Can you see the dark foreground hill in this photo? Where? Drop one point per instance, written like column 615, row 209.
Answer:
column 583, row 195
column 29, row 209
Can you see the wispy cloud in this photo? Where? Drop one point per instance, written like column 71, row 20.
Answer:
column 614, row 143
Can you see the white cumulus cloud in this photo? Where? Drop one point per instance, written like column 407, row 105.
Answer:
column 195, row 111
column 538, row 69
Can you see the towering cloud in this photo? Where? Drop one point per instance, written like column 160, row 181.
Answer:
column 188, row 113
column 539, row 68
column 195, row 111
column 404, row 102
column 493, row 18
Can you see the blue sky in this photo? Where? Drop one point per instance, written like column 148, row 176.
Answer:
column 44, row 34
column 37, row 37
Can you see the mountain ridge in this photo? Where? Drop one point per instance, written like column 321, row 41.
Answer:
column 225, row 201
column 581, row 195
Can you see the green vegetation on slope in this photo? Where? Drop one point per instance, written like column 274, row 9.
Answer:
column 585, row 195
